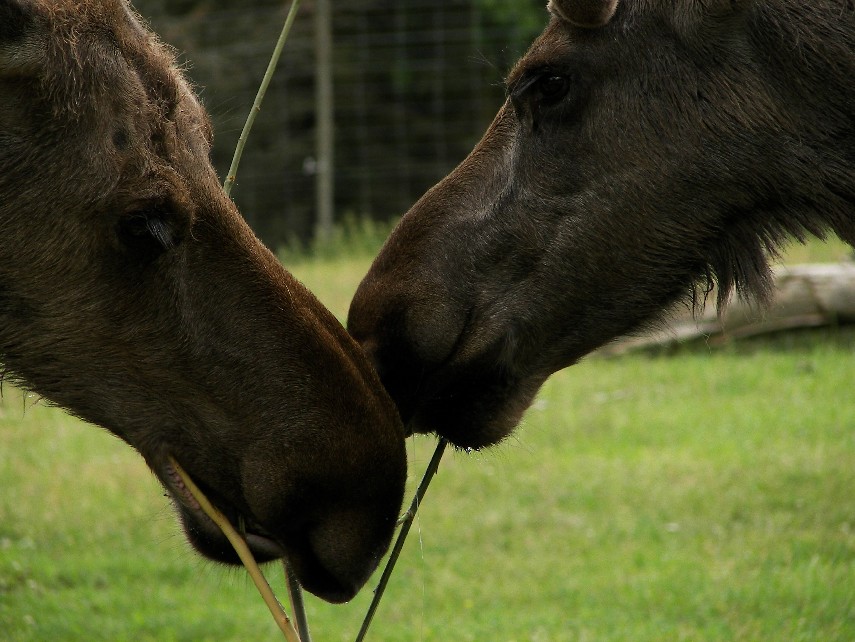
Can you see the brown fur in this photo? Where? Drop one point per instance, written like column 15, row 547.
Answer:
column 133, row 294
column 676, row 147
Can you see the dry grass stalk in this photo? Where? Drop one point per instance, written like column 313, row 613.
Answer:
column 243, row 552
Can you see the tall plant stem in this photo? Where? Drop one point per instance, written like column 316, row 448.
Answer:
column 406, row 522
column 298, row 608
column 259, row 97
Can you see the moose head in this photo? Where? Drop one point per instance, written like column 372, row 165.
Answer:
column 646, row 151
column 133, row 294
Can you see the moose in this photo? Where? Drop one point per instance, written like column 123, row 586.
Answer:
column 646, row 152
column 134, row 295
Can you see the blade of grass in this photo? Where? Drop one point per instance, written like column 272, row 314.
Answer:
column 243, row 552
column 406, row 522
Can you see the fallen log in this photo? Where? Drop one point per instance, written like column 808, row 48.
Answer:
column 808, row 295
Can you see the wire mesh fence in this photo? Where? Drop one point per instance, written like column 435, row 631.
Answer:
column 414, row 85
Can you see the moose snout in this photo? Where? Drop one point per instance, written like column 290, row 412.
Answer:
column 333, row 537
column 406, row 339
column 329, row 561
column 335, row 558
column 447, row 357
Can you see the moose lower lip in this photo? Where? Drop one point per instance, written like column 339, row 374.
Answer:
column 259, row 544
column 264, row 546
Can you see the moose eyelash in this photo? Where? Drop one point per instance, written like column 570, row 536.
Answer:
column 521, row 86
column 161, row 233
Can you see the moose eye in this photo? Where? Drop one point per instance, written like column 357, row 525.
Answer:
column 537, row 91
column 553, row 87
column 146, row 234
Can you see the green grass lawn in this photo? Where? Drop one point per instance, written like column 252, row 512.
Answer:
column 702, row 495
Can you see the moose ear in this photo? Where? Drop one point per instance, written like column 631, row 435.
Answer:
column 588, row 14
column 20, row 52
